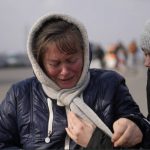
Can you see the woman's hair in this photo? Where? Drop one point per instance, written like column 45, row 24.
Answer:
column 66, row 36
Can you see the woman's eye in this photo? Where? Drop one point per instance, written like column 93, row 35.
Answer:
column 53, row 64
column 147, row 54
column 72, row 61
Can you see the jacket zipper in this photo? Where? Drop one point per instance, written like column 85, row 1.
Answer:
column 50, row 122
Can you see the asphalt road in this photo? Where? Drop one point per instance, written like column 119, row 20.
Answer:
column 136, row 82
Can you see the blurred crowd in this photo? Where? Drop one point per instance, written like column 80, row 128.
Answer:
column 116, row 56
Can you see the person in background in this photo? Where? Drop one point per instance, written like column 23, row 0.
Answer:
column 66, row 105
column 145, row 46
column 98, row 55
column 132, row 56
column 122, row 56
column 111, row 57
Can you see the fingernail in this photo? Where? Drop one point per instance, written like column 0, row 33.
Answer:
column 115, row 145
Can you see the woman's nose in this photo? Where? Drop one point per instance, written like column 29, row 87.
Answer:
column 64, row 70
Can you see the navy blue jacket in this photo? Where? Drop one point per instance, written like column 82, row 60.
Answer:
column 24, row 112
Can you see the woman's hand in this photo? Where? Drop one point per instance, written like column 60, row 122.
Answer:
column 126, row 133
column 79, row 130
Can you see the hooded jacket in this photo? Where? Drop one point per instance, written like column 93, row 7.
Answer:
column 145, row 46
column 33, row 116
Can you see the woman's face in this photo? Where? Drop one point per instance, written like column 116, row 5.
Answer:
column 147, row 60
column 64, row 69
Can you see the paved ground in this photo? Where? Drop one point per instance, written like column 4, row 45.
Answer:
column 136, row 82
column 8, row 76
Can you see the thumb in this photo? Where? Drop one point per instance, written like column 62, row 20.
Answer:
column 118, row 130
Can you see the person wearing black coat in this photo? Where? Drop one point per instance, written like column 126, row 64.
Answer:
column 148, row 93
column 145, row 46
column 66, row 105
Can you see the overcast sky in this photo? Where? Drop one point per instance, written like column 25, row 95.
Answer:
column 107, row 21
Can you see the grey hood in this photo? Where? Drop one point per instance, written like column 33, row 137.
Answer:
column 42, row 77
column 145, row 38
